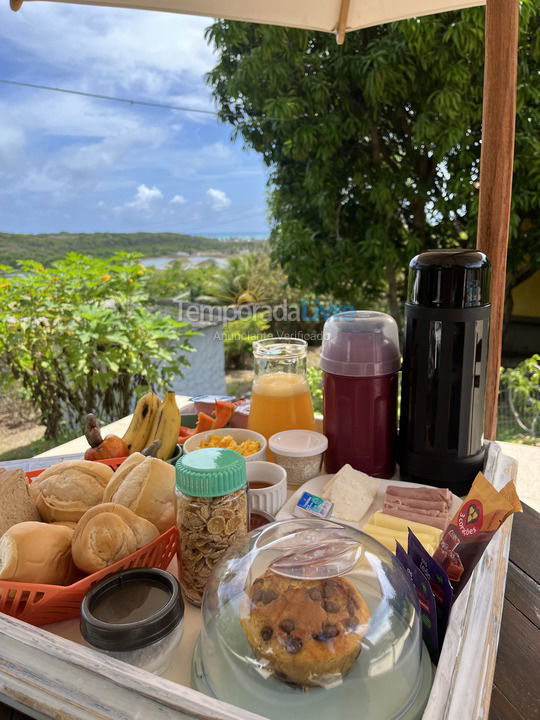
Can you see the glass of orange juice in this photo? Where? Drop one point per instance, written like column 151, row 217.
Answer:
column 280, row 397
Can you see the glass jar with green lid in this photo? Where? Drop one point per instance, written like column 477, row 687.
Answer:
column 212, row 513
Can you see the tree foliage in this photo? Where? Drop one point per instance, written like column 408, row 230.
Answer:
column 373, row 146
column 521, row 388
column 78, row 337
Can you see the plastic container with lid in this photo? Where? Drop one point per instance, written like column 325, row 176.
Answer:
column 300, row 453
column 316, row 606
column 136, row 616
column 212, row 513
column 360, row 360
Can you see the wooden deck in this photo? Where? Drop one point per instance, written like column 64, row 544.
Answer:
column 516, row 689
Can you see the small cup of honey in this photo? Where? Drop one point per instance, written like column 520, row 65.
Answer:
column 267, row 486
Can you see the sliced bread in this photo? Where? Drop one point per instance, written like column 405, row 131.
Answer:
column 16, row 505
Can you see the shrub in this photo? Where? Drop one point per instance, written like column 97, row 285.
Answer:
column 238, row 338
column 179, row 279
column 314, row 378
column 519, row 403
column 77, row 337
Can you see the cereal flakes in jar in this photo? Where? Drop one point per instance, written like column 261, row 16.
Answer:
column 212, row 513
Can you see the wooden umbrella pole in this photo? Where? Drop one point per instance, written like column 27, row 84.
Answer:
column 496, row 165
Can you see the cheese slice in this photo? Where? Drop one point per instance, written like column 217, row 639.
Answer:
column 390, row 542
column 352, row 493
column 402, row 536
column 401, row 524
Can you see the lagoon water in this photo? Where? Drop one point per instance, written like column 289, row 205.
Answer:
column 162, row 262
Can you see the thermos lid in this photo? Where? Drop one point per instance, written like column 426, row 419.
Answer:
column 450, row 278
column 360, row 343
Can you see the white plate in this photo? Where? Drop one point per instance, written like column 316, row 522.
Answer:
column 316, row 485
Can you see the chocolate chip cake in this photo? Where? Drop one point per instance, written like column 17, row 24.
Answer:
column 308, row 632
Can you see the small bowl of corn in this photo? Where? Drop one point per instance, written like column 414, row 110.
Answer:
column 248, row 443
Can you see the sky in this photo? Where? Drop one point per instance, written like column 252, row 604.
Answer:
column 76, row 164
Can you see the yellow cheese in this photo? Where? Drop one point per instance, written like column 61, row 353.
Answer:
column 389, row 521
column 402, row 536
column 390, row 542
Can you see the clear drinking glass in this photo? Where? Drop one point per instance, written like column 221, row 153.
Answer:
column 280, row 398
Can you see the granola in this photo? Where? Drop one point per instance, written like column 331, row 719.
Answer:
column 208, row 527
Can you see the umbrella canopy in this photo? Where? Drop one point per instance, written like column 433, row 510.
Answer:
column 337, row 16
column 499, row 108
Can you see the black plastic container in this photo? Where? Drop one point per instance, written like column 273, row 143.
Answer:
column 444, row 368
column 136, row 616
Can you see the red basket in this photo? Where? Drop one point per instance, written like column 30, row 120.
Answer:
column 112, row 462
column 42, row 604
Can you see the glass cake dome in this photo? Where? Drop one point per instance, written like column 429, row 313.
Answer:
column 308, row 618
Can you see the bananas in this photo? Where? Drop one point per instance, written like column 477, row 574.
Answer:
column 137, row 436
column 167, row 426
column 154, row 420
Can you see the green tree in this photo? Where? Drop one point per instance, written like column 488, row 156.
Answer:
column 179, row 279
column 374, row 146
column 77, row 337
column 247, row 278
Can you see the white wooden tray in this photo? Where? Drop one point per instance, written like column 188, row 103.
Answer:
column 48, row 675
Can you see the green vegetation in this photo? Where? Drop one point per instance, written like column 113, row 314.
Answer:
column 78, row 337
column 314, row 378
column 180, row 279
column 48, row 247
column 373, row 146
column 519, row 405
column 247, row 278
column 238, row 338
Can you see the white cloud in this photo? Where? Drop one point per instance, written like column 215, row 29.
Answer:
column 218, row 199
column 145, row 197
column 178, row 200
column 115, row 48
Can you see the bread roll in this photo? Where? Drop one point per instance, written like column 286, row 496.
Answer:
column 107, row 533
column 147, row 487
column 17, row 506
column 64, row 492
column 35, row 552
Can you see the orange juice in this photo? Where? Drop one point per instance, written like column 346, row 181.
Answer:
column 280, row 401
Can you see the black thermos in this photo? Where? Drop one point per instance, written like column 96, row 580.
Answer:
column 444, row 368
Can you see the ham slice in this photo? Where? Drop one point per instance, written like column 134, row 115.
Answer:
column 438, row 522
column 424, row 505
column 430, row 506
column 421, row 493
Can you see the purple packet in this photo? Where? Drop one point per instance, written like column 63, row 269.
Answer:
column 426, row 600
column 437, row 578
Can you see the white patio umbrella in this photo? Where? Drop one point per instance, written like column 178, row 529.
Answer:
column 496, row 165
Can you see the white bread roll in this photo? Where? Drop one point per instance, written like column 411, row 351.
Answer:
column 17, row 504
column 107, row 533
column 65, row 491
column 35, row 552
column 147, row 487
column 65, row 523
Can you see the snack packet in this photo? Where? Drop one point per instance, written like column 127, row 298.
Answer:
column 438, row 580
column 426, row 600
column 480, row 516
